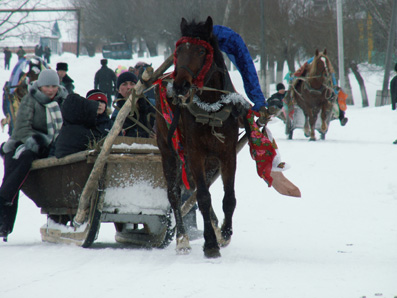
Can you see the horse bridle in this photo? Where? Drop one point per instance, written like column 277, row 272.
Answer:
column 198, row 78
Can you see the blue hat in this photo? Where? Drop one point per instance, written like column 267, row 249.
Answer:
column 126, row 77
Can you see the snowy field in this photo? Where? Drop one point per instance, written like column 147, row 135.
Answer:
column 338, row 241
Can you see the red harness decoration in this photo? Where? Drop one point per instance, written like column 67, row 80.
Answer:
column 176, row 138
column 199, row 79
column 261, row 149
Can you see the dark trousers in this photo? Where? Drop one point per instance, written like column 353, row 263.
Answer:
column 15, row 173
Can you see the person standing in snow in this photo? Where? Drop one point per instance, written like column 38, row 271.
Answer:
column 66, row 81
column 393, row 93
column 37, row 126
column 105, row 80
column 7, row 58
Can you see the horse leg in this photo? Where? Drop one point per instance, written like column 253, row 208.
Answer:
column 174, row 197
column 306, row 128
column 312, row 122
column 171, row 170
column 211, row 247
column 324, row 125
column 229, row 199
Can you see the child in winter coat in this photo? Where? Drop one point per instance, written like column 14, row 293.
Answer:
column 85, row 121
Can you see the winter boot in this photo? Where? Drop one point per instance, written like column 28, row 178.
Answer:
column 343, row 121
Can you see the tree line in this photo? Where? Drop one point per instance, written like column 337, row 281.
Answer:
column 294, row 29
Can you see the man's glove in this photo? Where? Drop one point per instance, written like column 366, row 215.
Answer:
column 264, row 116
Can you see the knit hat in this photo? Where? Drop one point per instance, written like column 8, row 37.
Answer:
column 126, row 77
column 104, row 62
column 48, row 77
column 96, row 94
column 62, row 66
column 280, row 86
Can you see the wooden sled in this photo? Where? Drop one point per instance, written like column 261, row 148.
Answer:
column 133, row 168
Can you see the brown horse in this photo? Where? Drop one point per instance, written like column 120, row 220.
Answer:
column 203, row 134
column 313, row 93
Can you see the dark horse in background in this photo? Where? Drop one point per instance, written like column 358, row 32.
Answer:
column 313, row 93
column 207, row 147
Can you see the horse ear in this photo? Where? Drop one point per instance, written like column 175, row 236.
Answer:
column 325, row 51
column 183, row 24
column 316, row 52
column 209, row 24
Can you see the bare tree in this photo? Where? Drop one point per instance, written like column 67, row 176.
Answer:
column 13, row 20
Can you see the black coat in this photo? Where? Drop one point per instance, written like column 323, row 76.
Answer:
column 276, row 99
column 393, row 91
column 130, row 129
column 67, row 82
column 105, row 80
column 81, row 125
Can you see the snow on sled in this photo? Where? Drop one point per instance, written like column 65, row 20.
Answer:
column 131, row 193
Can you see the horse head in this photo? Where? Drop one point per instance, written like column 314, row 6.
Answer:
column 320, row 68
column 193, row 57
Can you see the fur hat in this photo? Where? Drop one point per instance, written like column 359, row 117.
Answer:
column 104, row 62
column 62, row 66
column 96, row 94
column 126, row 77
column 280, row 86
column 48, row 77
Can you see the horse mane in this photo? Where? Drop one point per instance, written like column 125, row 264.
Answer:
column 200, row 30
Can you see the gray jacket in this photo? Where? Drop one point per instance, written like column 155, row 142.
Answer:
column 31, row 116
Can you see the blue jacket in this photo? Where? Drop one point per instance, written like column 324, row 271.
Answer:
column 233, row 45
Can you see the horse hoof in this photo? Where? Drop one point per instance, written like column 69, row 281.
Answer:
column 212, row 253
column 182, row 245
column 312, row 139
column 226, row 237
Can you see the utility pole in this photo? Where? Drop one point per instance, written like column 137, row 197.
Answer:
column 341, row 62
column 263, row 51
column 390, row 44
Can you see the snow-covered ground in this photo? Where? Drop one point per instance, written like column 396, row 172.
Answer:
column 338, row 240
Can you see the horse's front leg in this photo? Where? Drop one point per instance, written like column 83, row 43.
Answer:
column 306, row 127
column 312, row 122
column 211, row 247
column 229, row 200
column 324, row 125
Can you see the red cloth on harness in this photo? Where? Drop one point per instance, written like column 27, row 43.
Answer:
column 261, row 149
column 176, row 138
